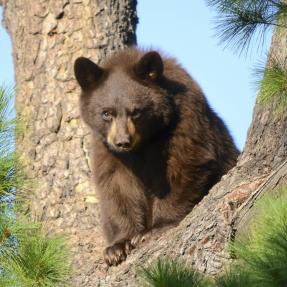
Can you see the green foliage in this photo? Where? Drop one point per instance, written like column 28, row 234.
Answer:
column 264, row 252
column 7, row 124
column 12, row 176
column 261, row 255
column 28, row 257
column 172, row 274
column 39, row 260
column 7, row 121
column 242, row 20
column 235, row 277
column 273, row 85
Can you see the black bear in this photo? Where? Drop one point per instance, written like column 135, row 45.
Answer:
column 158, row 147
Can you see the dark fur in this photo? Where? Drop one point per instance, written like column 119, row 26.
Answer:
column 184, row 147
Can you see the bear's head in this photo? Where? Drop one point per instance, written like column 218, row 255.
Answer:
column 124, row 101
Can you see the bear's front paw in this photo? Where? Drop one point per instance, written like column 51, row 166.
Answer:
column 118, row 252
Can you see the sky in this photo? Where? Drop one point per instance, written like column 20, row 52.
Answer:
column 186, row 32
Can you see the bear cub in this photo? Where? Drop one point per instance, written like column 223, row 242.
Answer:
column 157, row 148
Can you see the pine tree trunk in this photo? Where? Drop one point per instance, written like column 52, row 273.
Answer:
column 47, row 37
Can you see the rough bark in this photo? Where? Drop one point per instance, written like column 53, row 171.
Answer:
column 47, row 36
column 203, row 237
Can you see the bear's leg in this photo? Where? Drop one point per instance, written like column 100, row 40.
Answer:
column 123, row 218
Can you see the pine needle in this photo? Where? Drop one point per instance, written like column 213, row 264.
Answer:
column 273, row 84
column 264, row 252
column 242, row 21
column 172, row 274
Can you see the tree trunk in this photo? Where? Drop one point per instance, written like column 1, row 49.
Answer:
column 203, row 237
column 47, row 37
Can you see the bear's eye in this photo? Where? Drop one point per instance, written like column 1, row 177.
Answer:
column 107, row 115
column 136, row 113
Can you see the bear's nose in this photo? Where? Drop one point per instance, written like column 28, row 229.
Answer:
column 123, row 143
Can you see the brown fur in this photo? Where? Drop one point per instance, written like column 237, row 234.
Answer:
column 177, row 147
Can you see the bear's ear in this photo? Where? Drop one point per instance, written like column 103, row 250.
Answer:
column 87, row 72
column 150, row 66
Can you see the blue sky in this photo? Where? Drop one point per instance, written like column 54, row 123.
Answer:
column 186, row 32
column 6, row 61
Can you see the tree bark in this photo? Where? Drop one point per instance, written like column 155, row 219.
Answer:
column 47, row 37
